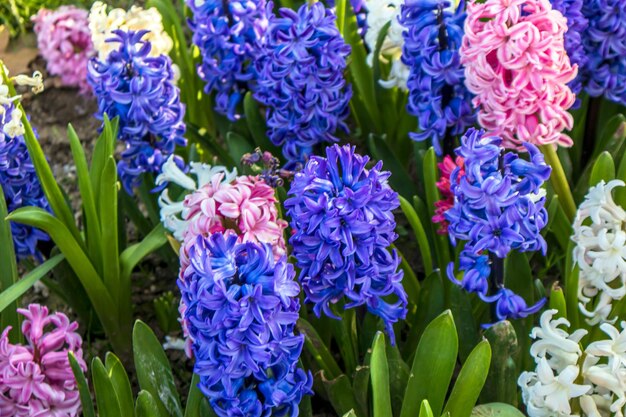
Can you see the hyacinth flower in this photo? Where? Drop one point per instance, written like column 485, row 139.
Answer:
column 228, row 34
column 140, row 90
column 603, row 40
column 498, row 207
column 103, row 23
column 437, row 95
column 381, row 12
column 36, row 379
column 600, row 252
column 64, row 41
column 577, row 25
column 241, row 310
column 301, row 80
column 517, row 66
column 341, row 215
column 568, row 378
column 446, row 168
column 361, row 9
column 18, row 179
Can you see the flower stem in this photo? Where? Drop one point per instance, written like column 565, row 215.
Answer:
column 559, row 181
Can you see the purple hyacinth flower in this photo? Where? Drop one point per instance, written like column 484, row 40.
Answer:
column 341, row 214
column 140, row 90
column 511, row 306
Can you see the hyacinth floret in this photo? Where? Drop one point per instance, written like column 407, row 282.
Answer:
column 64, row 41
column 140, row 90
column 437, row 94
column 241, row 310
column 605, row 46
column 20, row 184
column 228, row 34
column 36, row 379
column 498, row 207
column 341, row 214
column 301, row 80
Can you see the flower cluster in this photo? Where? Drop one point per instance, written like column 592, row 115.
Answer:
column 437, row 95
column 64, row 41
column 605, row 46
column 600, row 252
column 36, row 379
column 140, row 89
column 576, row 26
column 219, row 201
column 516, row 64
column 594, row 378
column 241, row 310
column 228, row 34
column 18, row 178
column 341, row 213
column 103, row 24
column 446, row 167
column 381, row 12
column 301, row 80
column 498, row 207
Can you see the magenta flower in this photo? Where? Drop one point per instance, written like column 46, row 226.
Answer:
column 516, row 65
column 64, row 40
column 36, row 379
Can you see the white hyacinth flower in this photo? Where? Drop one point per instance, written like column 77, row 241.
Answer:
column 35, row 82
column 555, row 344
column 600, row 252
column 379, row 13
column 14, row 127
column 614, row 348
column 173, row 212
column 102, row 25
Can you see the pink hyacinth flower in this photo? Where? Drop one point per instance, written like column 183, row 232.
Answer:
column 446, row 167
column 64, row 41
column 516, row 65
column 36, row 379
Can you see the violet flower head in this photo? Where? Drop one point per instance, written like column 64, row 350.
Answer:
column 301, row 80
column 140, row 90
column 437, row 94
column 341, row 214
column 605, row 46
column 20, row 185
column 241, row 311
column 577, row 25
column 227, row 32
column 36, row 379
column 64, row 41
column 498, row 207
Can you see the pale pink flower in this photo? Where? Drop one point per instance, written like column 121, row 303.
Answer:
column 516, row 65
column 36, row 378
column 64, row 41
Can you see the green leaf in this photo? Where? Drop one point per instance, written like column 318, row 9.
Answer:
column 103, row 150
column 496, row 410
column 92, row 227
column 501, row 385
column 557, row 300
column 431, row 176
column 425, row 410
column 121, row 384
column 398, row 376
column 380, row 378
column 146, row 405
column 420, row 234
column 464, row 320
column 470, row 381
column 10, row 295
column 316, row 347
column 194, row 398
column 340, row 394
column 400, row 179
column 108, row 225
column 106, row 398
column 611, row 136
column 154, row 372
column 8, row 274
column 237, row 146
column 603, row 169
column 619, row 193
column 135, row 253
column 83, row 388
column 432, row 366
column 257, row 126
column 350, row 414
column 558, row 224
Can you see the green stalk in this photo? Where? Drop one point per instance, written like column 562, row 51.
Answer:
column 559, row 181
